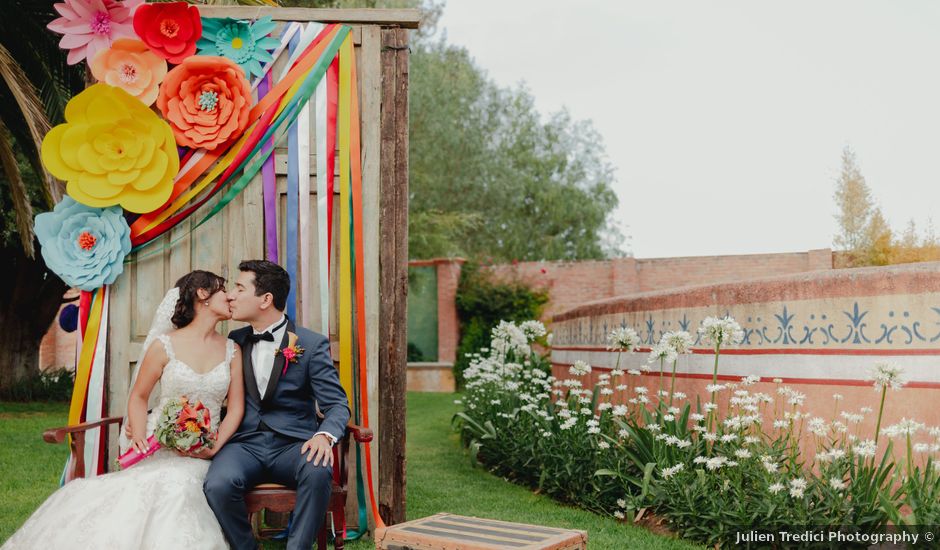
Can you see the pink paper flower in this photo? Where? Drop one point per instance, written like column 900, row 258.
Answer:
column 89, row 26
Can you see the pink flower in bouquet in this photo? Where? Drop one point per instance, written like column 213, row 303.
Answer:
column 89, row 26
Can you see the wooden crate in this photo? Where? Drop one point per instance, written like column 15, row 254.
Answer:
column 453, row 532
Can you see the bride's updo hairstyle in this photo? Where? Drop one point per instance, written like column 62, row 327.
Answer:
column 189, row 284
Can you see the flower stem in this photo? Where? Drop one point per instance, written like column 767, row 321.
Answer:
column 881, row 410
column 672, row 388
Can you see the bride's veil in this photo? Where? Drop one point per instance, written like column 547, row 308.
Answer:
column 162, row 324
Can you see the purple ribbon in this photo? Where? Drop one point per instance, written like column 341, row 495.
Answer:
column 269, row 183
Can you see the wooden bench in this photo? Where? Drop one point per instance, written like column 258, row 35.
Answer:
column 453, row 532
column 276, row 498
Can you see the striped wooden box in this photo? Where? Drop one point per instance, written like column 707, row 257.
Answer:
column 453, row 532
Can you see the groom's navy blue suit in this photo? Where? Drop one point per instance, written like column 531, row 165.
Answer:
column 266, row 447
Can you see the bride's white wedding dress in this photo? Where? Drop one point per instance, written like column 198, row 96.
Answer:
column 156, row 504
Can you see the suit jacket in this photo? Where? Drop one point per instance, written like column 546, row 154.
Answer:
column 288, row 404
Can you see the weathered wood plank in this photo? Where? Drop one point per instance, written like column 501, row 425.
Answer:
column 393, row 277
column 405, row 18
column 370, row 90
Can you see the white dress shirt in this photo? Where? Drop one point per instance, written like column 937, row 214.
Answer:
column 262, row 359
column 262, row 354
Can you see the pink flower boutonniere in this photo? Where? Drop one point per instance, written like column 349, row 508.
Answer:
column 291, row 352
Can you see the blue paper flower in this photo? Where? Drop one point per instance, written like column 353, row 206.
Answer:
column 247, row 44
column 84, row 245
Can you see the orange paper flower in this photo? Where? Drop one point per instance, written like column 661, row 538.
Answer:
column 130, row 65
column 206, row 100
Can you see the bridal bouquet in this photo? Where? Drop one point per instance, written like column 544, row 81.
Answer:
column 182, row 426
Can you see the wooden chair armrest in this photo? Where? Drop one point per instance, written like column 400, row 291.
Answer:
column 360, row 434
column 57, row 435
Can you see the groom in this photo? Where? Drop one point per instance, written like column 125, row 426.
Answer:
column 280, row 439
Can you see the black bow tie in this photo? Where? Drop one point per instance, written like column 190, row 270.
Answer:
column 254, row 337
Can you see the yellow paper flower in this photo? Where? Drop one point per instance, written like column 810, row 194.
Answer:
column 112, row 150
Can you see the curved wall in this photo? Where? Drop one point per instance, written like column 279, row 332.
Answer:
column 820, row 332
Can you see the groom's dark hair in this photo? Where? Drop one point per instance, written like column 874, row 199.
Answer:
column 269, row 277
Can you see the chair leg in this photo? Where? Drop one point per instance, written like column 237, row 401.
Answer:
column 322, row 538
column 339, row 519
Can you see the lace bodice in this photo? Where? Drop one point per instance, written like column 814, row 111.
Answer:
column 180, row 379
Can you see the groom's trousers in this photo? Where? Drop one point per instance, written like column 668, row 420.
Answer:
column 267, row 457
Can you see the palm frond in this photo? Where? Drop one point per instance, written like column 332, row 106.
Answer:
column 21, row 207
column 33, row 114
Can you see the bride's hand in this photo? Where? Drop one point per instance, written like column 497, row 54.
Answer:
column 139, row 444
column 202, row 452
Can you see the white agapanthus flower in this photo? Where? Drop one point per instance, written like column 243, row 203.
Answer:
column 716, row 462
column 507, row 337
column 679, row 395
column 750, row 380
column 605, row 406
column 865, row 448
column 742, row 453
column 721, row 332
column 619, row 410
column 661, row 352
column 633, row 372
column 906, row 427
column 671, row 471
column 642, row 390
column 603, row 445
column 622, row 339
column 679, row 341
column 885, row 375
column 797, row 487
column 776, row 488
column 579, row 368
column 618, row 514
column 533, row 329
column 616, row 373
column 696, row 417
column 713, row 388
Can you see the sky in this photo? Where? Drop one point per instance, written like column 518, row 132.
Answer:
column 726, row 120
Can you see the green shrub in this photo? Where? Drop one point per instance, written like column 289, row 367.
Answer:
column 482, row 302
column 50, row 385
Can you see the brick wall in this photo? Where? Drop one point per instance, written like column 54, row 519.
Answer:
column 574, row 283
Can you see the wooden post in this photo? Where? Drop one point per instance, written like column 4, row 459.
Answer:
column 393, row 274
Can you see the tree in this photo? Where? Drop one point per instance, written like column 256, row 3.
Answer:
column 865, row 236
column 521, row 188
column 853, row 199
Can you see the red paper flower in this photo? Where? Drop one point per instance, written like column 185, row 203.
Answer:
column 170, row 29
column 206, row 100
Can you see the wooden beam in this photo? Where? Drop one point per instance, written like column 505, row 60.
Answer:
column 404, row 18
column 393, row 274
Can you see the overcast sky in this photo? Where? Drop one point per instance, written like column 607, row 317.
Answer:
column 725, row 120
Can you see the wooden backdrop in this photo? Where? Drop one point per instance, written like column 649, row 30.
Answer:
column 237, row 233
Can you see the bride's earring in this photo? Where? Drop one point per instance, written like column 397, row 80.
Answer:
column 205, row 303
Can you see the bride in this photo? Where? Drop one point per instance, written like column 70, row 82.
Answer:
column 159, row 502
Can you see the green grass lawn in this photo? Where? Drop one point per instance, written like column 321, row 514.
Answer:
column 441, row 477
column 29, row 467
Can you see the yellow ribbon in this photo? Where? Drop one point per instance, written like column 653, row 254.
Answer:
column 346, row 58
column 83, row 369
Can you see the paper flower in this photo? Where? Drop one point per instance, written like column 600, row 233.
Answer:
column 128, row 64
column 244, row 43
column 89, row 26
column 206, row 100
column 85, row 246
column 171, row 30
column 112, row 150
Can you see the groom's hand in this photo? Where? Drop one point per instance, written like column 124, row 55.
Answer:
column 319, row 450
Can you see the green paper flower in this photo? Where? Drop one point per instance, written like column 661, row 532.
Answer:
column 247, row 44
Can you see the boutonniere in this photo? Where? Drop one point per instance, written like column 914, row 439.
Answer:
column 291, row 352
